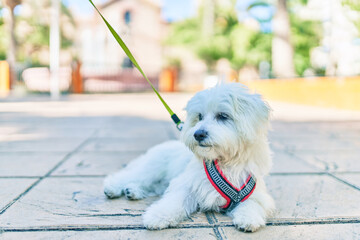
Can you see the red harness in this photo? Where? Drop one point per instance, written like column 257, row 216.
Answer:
column 232, row 194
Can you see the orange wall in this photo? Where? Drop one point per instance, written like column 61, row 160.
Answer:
column 341, row 92
column 4, row 78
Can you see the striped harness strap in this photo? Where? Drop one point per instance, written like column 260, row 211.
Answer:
column 232, row 194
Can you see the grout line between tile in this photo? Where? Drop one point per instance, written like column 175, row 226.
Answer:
column 327, row 173
column 103, row 175
column 296, row 173
column 67, row 156
column 216, row 226
column 343, row 181
column 22, row 177
column 210, row 216
column 217, row 233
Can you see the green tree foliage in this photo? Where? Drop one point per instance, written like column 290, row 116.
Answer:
column 2, row 36
column 242, row 45
column 231, row 40
column 36, row 39
column 305, row 35
column 1, row 16
column 35, row 31
column 355, row 6
column 249, row 47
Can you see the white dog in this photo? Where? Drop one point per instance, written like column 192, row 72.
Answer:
column 226, row 131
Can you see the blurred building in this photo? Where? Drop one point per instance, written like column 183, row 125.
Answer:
column 139, row 24
column 339, row 52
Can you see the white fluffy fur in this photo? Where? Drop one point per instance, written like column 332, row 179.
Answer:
column 175, row 168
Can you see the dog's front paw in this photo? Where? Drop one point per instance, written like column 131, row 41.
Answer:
column 111, row 189
column 134, row 193
column 248, row 223
column 158, row 221
column 112, row 192
column 154, row 222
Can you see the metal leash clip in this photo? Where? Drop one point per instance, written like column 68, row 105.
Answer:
column 177, row 121
column 180, row 126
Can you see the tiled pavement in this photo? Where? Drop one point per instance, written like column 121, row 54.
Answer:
column 54, row 156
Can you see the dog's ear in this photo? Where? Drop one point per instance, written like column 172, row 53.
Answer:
column 251, row 111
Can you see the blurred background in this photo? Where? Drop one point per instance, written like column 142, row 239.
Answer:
column 302, row 51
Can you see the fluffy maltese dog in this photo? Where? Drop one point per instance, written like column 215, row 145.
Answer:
column 218, row 165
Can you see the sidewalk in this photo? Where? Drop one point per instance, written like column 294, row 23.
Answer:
column 54, row 156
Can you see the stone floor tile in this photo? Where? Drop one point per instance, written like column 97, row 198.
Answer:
column 293, row 129
column 39, row 132
column 287, row 163
column 304, row 196
column 95, row 163
column 60, row 131
column 9, row 129
column 333, row 130
column 340, row 130
column 190, row 234
column 58, row 201
column 36, row 135
column 312, row 197
column 42, row 145
column 132, row 122
column 137, row 128
column 352, row 178
column 295, row 145
column 131, row 132
column 28, row 164
column 308, row 232
column 65, row 120
column 76, row 201
column 122, row 145
column 332, row 161
column 277, row 146
column 11, row 188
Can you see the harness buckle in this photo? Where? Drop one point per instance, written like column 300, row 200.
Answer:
column 238, row 197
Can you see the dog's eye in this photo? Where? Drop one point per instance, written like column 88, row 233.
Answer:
column 222, row 116
column 200, row 117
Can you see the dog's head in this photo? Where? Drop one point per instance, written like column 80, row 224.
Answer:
column 222, row 121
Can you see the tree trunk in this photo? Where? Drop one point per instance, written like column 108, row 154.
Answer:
column 11, row 52
column 282, row 49
column 331, row 66
column 208, row 30
column 208, row 18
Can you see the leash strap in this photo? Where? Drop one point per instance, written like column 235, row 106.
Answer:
column 232, row 194
column 174, row 117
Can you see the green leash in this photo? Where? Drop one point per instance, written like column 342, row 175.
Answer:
column 174, row 117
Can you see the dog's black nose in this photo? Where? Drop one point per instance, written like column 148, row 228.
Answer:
column 200, row 135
